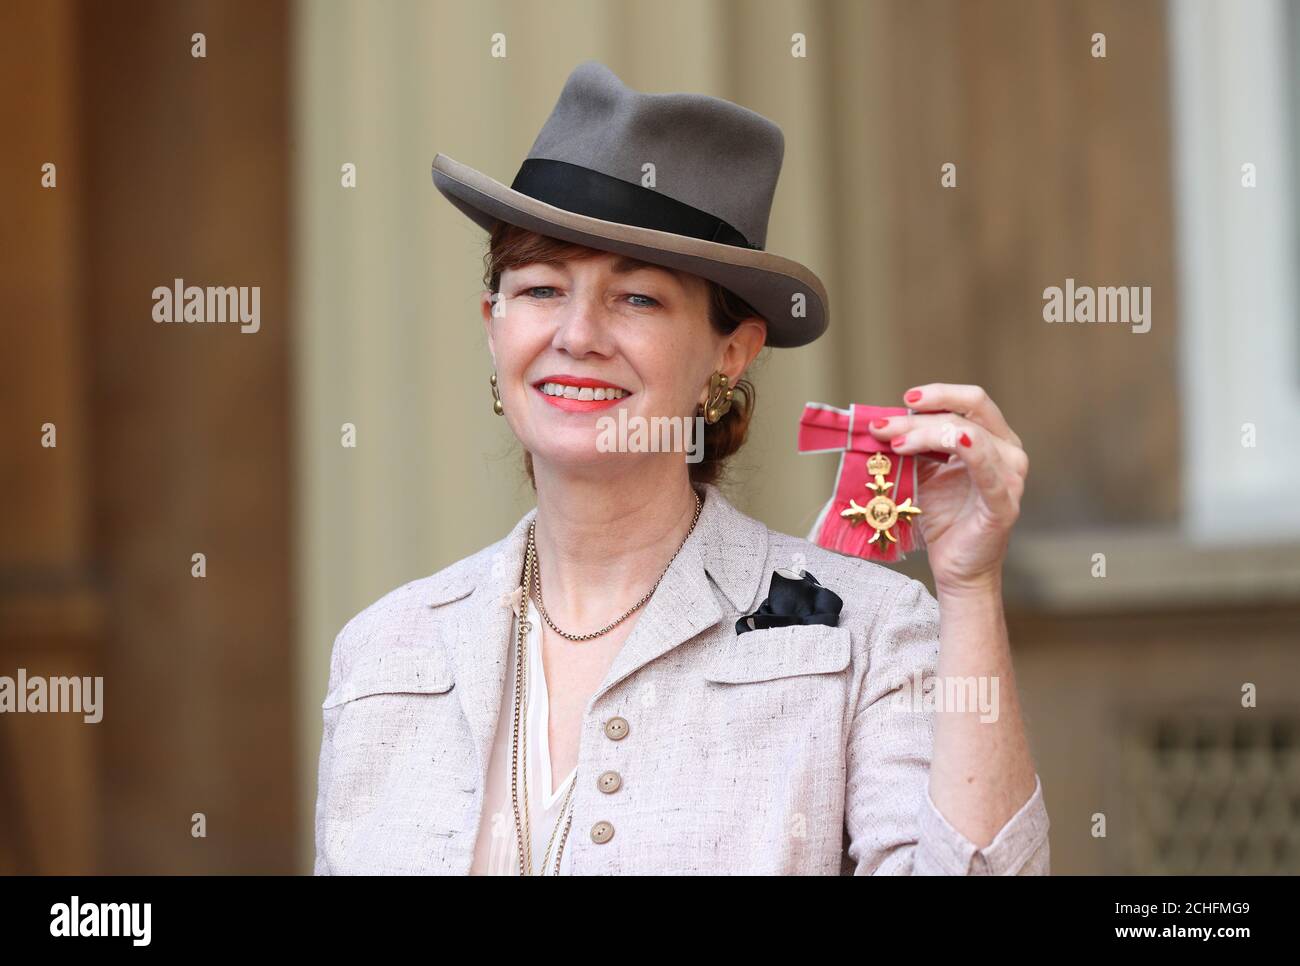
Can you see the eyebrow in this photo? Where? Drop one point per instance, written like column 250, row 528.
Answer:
column 625, row 264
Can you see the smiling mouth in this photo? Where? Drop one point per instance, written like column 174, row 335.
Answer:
column 579, row 394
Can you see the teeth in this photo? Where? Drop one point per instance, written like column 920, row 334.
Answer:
column 585, row 392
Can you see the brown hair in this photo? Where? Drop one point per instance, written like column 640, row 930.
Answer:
column 511, row 246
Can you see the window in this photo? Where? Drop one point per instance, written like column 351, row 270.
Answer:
column 1236, row 102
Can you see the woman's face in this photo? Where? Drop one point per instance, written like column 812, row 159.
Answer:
column 605, row 325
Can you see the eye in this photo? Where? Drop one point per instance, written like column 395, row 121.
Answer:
column 538, row 288
column 653, row 302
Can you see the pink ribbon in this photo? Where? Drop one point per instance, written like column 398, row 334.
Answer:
column 826, row 429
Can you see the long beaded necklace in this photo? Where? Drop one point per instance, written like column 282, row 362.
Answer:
column 519, row 742
column 519, row 748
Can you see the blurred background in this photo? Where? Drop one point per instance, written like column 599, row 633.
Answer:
column 1153, row 583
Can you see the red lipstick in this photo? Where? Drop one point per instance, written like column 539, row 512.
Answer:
column 580, row 382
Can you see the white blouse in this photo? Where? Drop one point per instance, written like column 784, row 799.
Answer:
column 496, row 849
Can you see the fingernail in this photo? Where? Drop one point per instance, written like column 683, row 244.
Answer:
column 880, row 422
column 898, row 441
column 913, row 395
column 964, row 439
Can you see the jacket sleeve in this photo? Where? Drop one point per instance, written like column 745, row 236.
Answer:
column 324, row 773
column 892, row 825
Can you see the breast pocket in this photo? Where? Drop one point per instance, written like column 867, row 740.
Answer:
column 395, row 720
column 409, row 670
column 780, row 652
column 779, row 684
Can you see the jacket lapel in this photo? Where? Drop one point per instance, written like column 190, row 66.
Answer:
column 480, row 633
column 726, row 546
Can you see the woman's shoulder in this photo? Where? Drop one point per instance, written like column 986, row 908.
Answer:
column 416, row 603
column 786, row 550
column 893, row 619
column 853, row 578
column 870, row 590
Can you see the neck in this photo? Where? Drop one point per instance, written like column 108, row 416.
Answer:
column 603, row 540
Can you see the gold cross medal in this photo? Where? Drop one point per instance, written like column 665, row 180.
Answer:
column 881, row 511
column 893, row 479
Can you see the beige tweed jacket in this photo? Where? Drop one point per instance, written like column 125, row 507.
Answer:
column 777, row 751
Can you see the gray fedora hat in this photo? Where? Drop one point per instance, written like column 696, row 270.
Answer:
column 715, row 165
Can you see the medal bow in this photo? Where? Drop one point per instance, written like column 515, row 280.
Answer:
column 871, row 512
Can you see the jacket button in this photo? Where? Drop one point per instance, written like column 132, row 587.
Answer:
column 616, row 729
column 602, row 832
column 609, row 782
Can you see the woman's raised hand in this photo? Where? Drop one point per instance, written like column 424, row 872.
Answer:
column 971, row 502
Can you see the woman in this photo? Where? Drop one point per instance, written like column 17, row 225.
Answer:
column 579, row 697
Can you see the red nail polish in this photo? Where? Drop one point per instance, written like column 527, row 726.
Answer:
column 898, row 441
column 964, row 440
column 880, row 422
column 913, row 395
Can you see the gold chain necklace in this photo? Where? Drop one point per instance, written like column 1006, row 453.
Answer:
column 518, row 748
column 541, row 607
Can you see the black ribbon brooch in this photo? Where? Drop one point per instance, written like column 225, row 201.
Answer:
column 794, row 597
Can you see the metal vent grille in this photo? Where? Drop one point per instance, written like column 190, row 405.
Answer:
column 1215, row 795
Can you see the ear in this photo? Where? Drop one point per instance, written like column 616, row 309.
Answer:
column 742, row 347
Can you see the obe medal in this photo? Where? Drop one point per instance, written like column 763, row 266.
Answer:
column 881, row 512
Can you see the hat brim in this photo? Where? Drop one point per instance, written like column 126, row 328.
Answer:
column 767, row 282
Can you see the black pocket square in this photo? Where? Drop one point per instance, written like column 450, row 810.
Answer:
column 793, row 598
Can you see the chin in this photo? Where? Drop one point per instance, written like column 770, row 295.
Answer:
column 581, row 461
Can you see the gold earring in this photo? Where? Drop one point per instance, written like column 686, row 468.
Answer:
column 719, row 401
column 497, row 408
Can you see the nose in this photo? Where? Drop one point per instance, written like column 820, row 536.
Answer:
column 582, row 328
